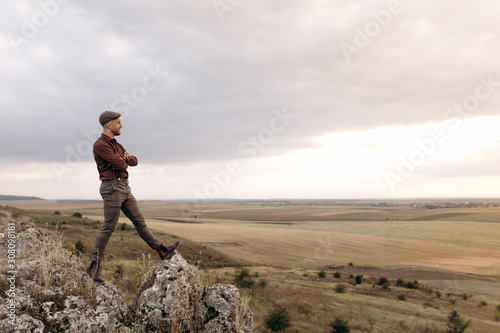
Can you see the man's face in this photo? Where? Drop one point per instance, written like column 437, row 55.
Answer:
column 116, row 125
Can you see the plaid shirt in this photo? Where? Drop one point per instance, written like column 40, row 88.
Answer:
column 111, row 163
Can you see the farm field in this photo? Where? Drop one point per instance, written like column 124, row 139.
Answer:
column 451, row 251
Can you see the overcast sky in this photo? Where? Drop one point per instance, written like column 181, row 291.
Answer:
column 253, row 99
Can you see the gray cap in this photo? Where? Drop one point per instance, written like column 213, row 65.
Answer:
column 108, row 116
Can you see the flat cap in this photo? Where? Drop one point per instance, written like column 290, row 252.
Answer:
column 108, row 116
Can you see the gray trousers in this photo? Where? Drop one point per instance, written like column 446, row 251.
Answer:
column 118, row 197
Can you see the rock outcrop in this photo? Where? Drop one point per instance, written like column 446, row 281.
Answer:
column 48, row 290
column 171, row 297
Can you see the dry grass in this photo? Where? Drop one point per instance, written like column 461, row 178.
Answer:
column 313, row 303
column 242, row 309
column 296, row 242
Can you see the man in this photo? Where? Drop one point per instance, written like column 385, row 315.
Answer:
column 112, row 163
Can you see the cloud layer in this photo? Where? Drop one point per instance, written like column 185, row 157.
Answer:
column 195, row 81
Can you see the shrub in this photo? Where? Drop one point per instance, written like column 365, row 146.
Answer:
column 351, row 264
column 455, row 323
column 382, row 280
column 243, row 278
column 123, row 226
column 119, row 272
column 57, row 212
column 402, row 297
column 337, row 275
column 80, row 246
column 78, row 215
column 429, row 305
column 412, row 285
column 400, row 283
column 262, row 283
column 246, row 282
column 340, row 288
column 358, row 279
column 340, row 325
column 322, row 274
column 278, row 319
column 438, row 293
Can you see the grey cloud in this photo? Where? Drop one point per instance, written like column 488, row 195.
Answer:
column 226, row 77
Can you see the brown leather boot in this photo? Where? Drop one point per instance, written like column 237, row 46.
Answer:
column 93, row 271
column 163, row 250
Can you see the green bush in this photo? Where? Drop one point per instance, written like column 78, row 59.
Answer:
column 358, row 279
column 278, row 319
column 57, row 212
column 78, row 215
column 337, row 275
column 456, row 324
column 400, row 283
column 382, row 281
column 340, row 288
column 80, row 246
column 402, row 297
column 340, row 325
column 412, row 285
column 262, row 283
column 322, row 274
column 243, row 278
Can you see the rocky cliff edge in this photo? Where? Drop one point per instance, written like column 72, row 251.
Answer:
column 44, row 288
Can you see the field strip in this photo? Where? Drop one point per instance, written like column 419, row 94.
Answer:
column 284, row 247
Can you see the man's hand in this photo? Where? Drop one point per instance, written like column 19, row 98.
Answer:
column 127, row 154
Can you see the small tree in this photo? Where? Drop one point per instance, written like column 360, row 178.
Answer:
column 382, row 280
column 278, row 319
column 337, row 275
column 412, row 285
column 358, row 279
column 340, row 325
column 80, row 246
column 262, row 283
column 340, row 288
column 456, row 324
column 244, row 279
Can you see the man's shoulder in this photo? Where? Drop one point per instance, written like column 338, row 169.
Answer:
column 101, row 143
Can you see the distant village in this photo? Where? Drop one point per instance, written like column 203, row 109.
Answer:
column 423, row 203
